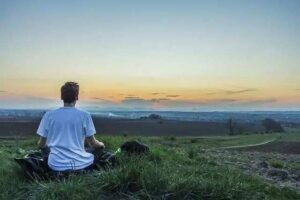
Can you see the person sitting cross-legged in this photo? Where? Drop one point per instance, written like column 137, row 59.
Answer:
column 65, row 130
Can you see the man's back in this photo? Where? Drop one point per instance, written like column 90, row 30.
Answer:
column 65, row 129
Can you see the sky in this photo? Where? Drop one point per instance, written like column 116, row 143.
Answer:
column 187, row 55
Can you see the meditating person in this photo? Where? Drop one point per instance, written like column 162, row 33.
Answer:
column 65, row 131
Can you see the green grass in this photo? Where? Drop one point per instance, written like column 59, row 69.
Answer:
column 290, row 136
column 176, row 168
column 212, row 142
column 277, row 164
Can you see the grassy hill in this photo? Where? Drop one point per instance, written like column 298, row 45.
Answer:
column 176, row 168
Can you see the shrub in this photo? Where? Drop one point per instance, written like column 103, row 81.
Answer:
column 194, row 140
column 271, row 125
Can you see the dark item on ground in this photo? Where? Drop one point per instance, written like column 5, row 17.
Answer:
column 134, row 147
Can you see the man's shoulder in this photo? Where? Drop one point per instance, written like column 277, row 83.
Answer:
column 59, row 111
column 84, row 112
column 49, row 112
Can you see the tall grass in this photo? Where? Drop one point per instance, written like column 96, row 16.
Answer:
column 165, row 173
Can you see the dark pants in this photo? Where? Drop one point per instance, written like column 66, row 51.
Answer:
column 98, row 153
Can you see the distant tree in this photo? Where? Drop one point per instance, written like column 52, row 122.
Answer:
column 271, row 125
column 231, row 126
column 154, row 116
column 241, row 130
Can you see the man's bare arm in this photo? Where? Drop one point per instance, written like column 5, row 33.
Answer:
column 42, row 143
column 93, row 142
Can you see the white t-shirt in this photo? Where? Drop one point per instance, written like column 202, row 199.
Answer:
column 65, row 129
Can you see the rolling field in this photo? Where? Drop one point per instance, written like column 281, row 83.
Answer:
column 176, row 168
column 133, row 127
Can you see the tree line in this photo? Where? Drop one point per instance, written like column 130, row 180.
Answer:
column 269, row 125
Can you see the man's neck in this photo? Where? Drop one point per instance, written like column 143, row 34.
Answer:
column 69, row 104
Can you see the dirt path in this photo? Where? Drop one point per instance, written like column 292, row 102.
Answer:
column 251, row 145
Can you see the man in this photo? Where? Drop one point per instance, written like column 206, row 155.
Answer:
column 65, row 130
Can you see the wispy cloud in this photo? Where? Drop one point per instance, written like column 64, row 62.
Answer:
column 173, row 95
column 157, row 93
column 3, row 91
column 131, row 97
column 231, row 92
column 211, row 93
column 98, row 98
column 222, row 101
column 135, row 102
column 258, row 101
column 142, row 100
column 159, row 99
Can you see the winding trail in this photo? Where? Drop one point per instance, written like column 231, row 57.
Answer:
column 250, row 145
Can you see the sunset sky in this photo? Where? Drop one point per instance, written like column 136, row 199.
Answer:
column 152, row 55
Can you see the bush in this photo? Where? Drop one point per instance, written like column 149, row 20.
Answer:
column 194, row 140
column 154, row 116
column 271, row 125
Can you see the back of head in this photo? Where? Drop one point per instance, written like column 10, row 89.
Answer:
column 69, row 92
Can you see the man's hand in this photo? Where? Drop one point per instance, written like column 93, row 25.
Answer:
column 93, row 142
column 100, row 144
column 42, row 143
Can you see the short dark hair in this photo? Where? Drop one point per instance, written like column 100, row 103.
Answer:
column 69, row 92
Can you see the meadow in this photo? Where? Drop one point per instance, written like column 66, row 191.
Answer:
column 176, row 168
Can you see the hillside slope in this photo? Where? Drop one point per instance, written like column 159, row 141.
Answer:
column 176, row 168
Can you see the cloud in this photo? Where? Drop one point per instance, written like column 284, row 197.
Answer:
column 157, row 93
column 138, row 103
column 173, row 95
column 97, row 101
column 231, row 92
column 132, row 97
column 258, row 101
column 171, row 103
column 141, row 100
column 98, row 98
column 159, row 99
column 211, row 93
column 223, row 101
column 3, row 91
